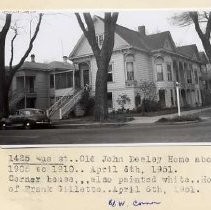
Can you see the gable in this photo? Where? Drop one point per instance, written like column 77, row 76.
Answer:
column 83, row 48
column 167, row 45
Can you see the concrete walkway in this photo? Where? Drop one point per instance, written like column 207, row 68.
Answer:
column 145, row 120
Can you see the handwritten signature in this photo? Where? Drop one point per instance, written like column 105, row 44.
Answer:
column 136, row 203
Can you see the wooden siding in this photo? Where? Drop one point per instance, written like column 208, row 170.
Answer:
column 143, row 68
column 41, row 87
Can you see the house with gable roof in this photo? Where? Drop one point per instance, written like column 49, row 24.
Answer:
column 138, row 57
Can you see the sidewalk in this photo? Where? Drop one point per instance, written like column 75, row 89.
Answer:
column 145, row 120
column 137, row 120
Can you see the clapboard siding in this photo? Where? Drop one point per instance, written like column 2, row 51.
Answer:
column 42, row 89
column 143, row 67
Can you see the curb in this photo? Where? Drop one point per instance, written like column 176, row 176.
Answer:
column 94, row 125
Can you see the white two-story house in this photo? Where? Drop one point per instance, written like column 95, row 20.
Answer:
column 140, row 57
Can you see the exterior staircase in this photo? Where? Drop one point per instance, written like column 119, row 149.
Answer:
column 61, row 108
column 14, row 98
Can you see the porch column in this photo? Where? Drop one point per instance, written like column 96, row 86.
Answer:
column 74, row 78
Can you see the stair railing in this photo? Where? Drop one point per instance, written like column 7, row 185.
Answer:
column 70, row 104
column 59, row 103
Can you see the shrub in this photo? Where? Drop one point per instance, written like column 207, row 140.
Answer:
column 183, row 118
column 149, row 106
column 122, row 101
column 87, row 102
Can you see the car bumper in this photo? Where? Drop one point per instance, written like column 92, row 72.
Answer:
column 42, row 123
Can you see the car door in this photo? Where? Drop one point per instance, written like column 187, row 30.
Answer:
column 15, row 118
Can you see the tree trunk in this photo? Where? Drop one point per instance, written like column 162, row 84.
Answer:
column 3, row 109
column 207, row 47
column 101, row 106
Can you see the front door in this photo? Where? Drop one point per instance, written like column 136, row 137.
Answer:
column 86, row 77
column 77, row 80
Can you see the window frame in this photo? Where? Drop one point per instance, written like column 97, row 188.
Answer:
column 169, row 72
column 100, row 39
column 132, row 78
column 110, row 107
column 196, row 77
column 110, row 72
column 161, row 73
column 63, row 76
column 52, row 80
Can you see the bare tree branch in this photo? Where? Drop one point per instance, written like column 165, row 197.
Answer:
column 208, row 27
column 195, row 19
column 90, row 32
column 81, row 23
column 12, row 48
column 15, row 68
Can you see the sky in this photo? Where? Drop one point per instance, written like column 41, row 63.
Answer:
column 59, row 31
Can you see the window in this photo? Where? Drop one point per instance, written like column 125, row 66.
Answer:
column 51, row 81
column 129, row 65
column 110, row 73
column 198, row 96
column 169, row 72
column 100, row 39
column 172, row 98
column 189, row 78
column 159, row 68
column 196, row 77
column 130, row 70
column 64, row 80
column 69, row 78
column 109, row 100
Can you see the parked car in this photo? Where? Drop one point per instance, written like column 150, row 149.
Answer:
column 26, row 118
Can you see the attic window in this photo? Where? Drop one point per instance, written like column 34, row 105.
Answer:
column 100, row 39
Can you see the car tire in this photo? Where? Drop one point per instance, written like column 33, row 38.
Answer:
column 27, row 125
column 3, row 126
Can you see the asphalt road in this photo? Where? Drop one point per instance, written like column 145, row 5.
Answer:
column 193, row 132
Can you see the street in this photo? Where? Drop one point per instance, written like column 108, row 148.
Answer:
column 146, row 133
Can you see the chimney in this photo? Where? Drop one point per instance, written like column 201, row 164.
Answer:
column 33, row 58
column 141, row 30
column 65, row 58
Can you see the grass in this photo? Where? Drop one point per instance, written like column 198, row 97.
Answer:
column 184, row 118
column 112, row 118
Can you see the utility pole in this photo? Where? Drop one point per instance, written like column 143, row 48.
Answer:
column 178, row 98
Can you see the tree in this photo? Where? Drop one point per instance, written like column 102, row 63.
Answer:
column 102, row 57
column 7, row 74
column 202, row 23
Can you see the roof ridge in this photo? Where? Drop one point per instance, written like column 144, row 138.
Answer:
column 163, row 32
